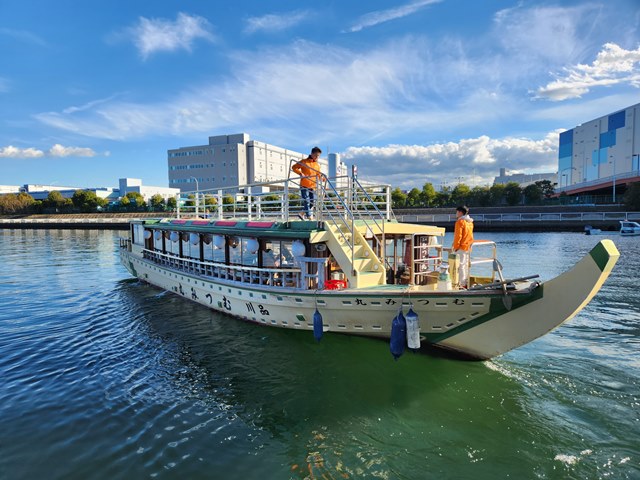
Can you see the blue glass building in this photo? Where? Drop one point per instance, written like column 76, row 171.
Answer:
column 600, row 152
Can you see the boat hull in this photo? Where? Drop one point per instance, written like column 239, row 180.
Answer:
column 478, row 324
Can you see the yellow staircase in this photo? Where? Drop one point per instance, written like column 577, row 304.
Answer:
column 366, row 269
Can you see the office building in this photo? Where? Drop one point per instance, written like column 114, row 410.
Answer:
column 523, row 179
column 230, row 160
column 41, row 192
column 601, row 154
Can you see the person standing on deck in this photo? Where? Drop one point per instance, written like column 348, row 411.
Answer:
column 309, row 171
column 462, row 241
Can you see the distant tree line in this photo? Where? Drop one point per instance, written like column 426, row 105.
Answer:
column 82, row 201
column 86, row 201
column 632, row 196
column 500, row 194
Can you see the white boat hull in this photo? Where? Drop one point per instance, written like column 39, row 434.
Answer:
column 473, row 323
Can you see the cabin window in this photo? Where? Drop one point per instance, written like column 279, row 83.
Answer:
column 271, row 254
column 235, row 250
column 172, row 243
column 138, row 234
column 250, row 251
column 189, row 250
column 278, row 253
column 286, row 251
column 212, row 253
column 243, row 251
column 157, row 240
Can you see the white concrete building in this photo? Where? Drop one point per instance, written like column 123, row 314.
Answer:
column 112, row 194
column 524, row 179
column 230, row 160
column 135, row 185
column 41, row 192
column 4, row 189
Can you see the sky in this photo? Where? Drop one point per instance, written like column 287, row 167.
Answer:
column 440, row 91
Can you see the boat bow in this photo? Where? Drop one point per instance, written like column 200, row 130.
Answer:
column 562, row 298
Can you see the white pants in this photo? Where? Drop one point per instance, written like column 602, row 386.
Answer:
column 463, row 269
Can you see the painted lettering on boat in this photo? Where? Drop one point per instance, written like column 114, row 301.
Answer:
column 263, row 311
column 226, row 303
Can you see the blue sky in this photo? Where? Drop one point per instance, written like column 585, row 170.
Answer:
column 410, row 91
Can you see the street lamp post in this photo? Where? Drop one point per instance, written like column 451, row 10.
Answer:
column 565, row 175
column 197, row 194
column 613, row 162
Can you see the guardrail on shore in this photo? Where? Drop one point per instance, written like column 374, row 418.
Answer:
column 29, row 221
column 575, row 217
column 525, row 217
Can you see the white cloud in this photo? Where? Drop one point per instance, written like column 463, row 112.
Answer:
column 473, row 160
column 4, row 85
column 23, row 36
column 274, row 22
column 161, row 35
column 312, row 91
column 304, row 79
column 89, row 105
column 15, row 152
column 59, row 151
column 56, row 151
column 412, row 87
column 546, row 35
column 372, row 19
column 307, row 91
column 320, row 92
column 613, row 65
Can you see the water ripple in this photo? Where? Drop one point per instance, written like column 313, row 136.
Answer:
column 102, row 376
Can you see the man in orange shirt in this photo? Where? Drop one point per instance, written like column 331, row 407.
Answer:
column 462, row 241
column 309, row 171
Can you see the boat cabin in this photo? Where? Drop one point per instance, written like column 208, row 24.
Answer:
column 255, row 234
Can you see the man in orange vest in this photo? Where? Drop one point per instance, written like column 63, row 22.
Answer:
column 462, row 241
column 309, row 171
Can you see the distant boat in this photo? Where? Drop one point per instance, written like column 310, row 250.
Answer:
column 354, row 269
column 629, row 229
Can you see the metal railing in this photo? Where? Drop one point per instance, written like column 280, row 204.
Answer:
column 281, row 200
column 340, row 201
column 525, row 217
column 341, row 207
column 96, row 219
column 282, row 277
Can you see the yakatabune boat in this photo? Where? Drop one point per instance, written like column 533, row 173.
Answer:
column 354, row 270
